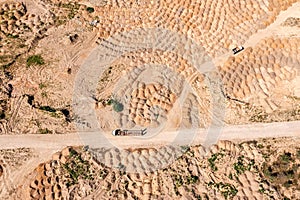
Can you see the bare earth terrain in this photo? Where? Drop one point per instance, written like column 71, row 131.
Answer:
column 219, row 125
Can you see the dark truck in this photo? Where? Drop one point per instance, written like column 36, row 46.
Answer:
column 119, row 132
column 237, row 49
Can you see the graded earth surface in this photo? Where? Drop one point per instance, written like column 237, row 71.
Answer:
column 218, row 125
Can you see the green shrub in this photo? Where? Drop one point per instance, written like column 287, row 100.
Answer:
column 118, row 107
column 286, row 157
column 260, row 146
column 42, row 85
column 241, row 166
column 44, row 131
column 71, row 15
column 226, row 189
column 110, row 101
column 12, row 36
column 90, row 9
column 47, row 108
column 212, row 159
column 44, row 94
column 35, row 60
column 288, row 183
column 77, row 168
column 192, row 179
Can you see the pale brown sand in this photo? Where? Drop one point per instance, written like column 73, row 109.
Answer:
column 49, row 178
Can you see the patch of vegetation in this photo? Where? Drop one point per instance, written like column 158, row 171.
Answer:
column 59, row 21
column 261, row 189
column 68, row 10
column 185, row 148
column 42, row 85
column 35, row 60
column 103, row 173
column 226, row 189
column 44, row 94
column 268, row 172
column 77, row 168
column 12, row 36
column 72, row 8
column 47, row 108
column 288, row 183
column 286, row 157
column 44, row 131
column 230, row 176
column 240, row 166
column 180, row 180
column 260, row 146
column 283, row 171
column 259, row 116
column 52, row 111
column 291, row 21
column 213, row 159
column 117, row 106
column 90, row 9
column 292, row 114
column 192, row 179
column 55, row 115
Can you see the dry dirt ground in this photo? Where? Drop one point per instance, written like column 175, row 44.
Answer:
column 261, row 169
column 68, row 66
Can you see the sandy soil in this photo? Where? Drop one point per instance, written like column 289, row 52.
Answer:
column 80, row 66
column 228, row 171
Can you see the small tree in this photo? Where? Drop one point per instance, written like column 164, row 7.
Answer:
column 117, row 106
column 90, row 9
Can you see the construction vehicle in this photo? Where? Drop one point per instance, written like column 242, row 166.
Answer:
column 119, row 132
column 237, row 49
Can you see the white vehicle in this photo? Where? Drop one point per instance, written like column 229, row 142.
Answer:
column 119, row 132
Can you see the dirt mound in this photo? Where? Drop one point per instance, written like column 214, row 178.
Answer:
column 264, row 76
column 142, row 99
column 45, row 31
column 151, row 85
column 213, row 23
column 58, row 177
column 227, row 170
column 43, row 47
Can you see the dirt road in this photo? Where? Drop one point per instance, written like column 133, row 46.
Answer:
column 241, row 132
